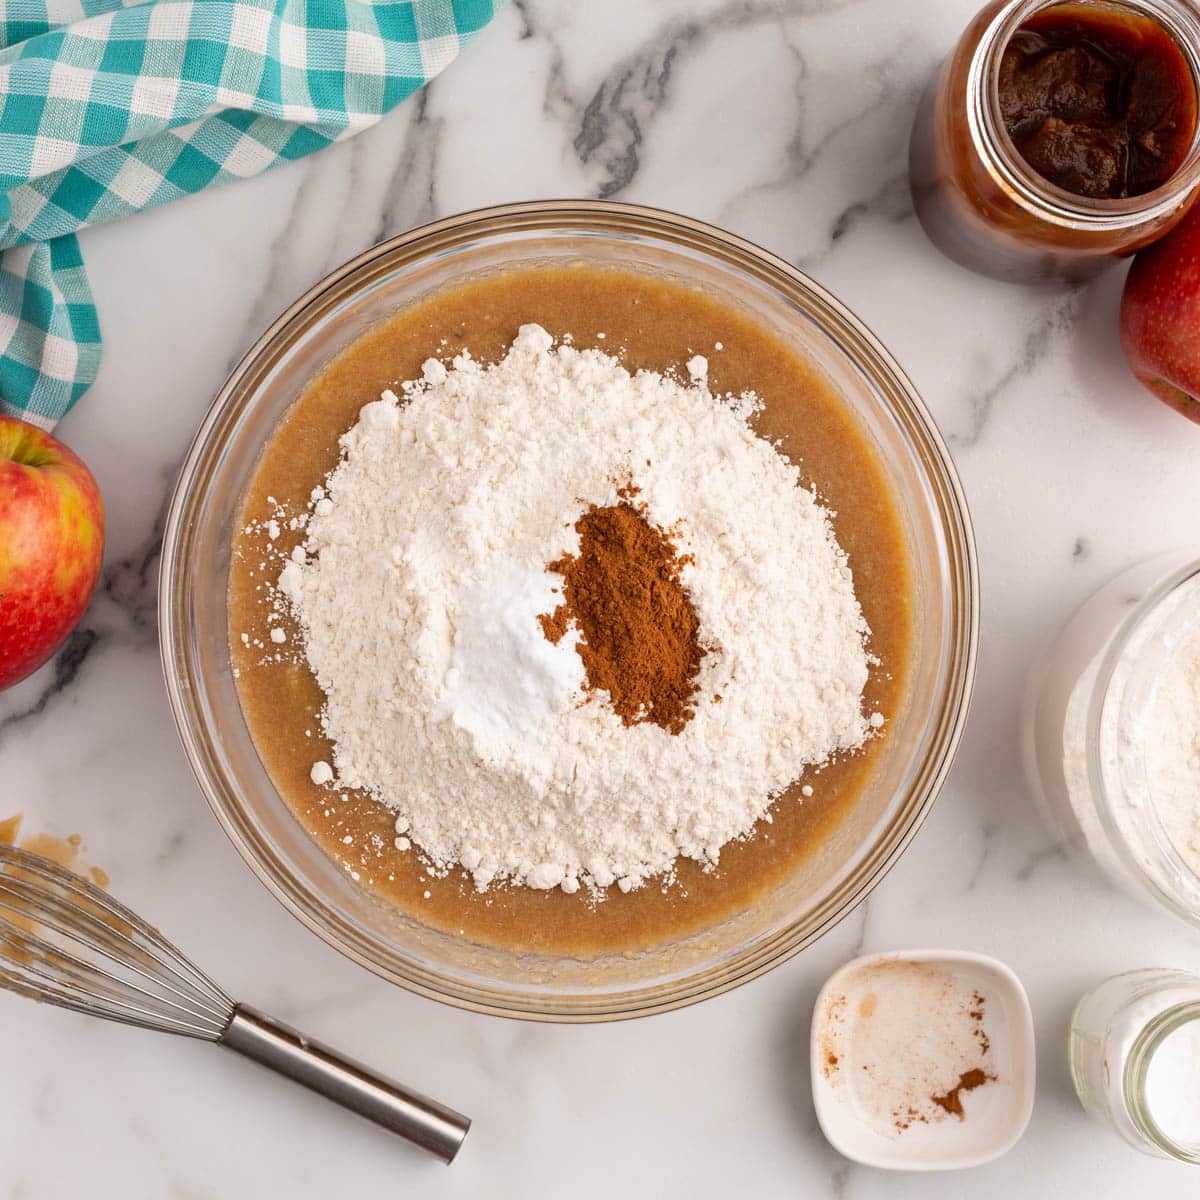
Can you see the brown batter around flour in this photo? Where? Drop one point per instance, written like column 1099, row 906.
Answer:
column 653, row 324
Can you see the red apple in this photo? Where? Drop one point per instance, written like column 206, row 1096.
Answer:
column 1160, row 317
column 51, row 544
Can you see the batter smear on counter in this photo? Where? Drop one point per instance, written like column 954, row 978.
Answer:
column 571, row 652
column 640, row 635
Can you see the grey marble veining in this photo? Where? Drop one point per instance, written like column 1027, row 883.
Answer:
column 788, row 123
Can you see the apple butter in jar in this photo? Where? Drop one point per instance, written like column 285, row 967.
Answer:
column 1059, row 135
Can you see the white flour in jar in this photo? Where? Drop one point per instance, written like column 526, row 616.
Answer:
column 1170, row 730
column 1146, row 743
column 423, row 573
column 1170, row 1087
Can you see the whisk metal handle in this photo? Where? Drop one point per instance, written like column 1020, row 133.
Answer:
column 430, row 1125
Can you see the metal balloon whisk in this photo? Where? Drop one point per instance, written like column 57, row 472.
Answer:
column 63, row 941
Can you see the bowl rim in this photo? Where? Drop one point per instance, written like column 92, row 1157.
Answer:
column 785, row 942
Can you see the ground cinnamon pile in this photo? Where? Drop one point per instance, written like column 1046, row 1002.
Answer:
column 968, row 1081
column 640, row 637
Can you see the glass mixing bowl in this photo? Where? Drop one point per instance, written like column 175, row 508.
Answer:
column 194, row 630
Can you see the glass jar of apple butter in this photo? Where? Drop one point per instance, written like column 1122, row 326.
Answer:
column 1059, row 135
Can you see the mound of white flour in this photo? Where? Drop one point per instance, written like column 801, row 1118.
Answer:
column 422, row 579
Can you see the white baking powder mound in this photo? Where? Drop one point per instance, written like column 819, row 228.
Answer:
column 423, row 574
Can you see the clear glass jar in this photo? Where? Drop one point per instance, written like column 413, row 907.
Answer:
column 1134, row 1049
column 1084, row 727
column 985, row 207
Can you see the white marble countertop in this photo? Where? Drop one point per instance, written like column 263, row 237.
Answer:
column 787, row 123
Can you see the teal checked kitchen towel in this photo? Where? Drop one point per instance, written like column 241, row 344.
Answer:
column 108, row 108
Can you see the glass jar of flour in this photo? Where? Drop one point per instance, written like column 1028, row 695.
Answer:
column 1112, row 732
column 1135, row 1059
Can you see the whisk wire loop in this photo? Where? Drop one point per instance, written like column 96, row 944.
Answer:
column 53, row 968
column 44, row 973
column 78, row 889
column 71, row 942
column 79, row 892
column 19, row 898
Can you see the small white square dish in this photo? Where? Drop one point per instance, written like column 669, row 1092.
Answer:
column 923, row 1060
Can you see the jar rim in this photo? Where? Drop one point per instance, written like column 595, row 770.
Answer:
column 1024, row 185
column 1137, row 1067
column 1158, row 845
